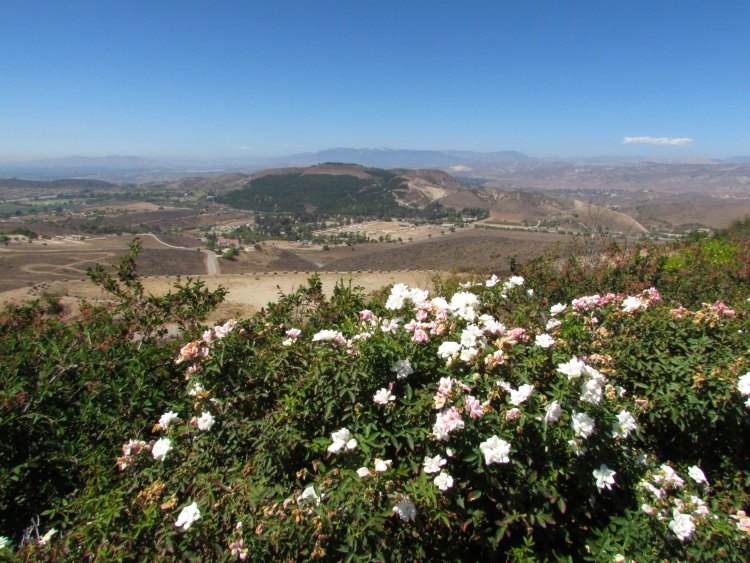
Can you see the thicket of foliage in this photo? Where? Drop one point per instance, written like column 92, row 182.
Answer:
column 334, row 194
column 328, row 195
column 591, row 418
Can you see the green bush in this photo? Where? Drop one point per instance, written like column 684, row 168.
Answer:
column 489, row 424
column 70, row 390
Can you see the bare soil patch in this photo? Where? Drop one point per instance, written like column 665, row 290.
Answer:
column 716, row 215
column 29, row 265
column 268, row 260
column 170, row 262
column 474, row 250
column 247, row 294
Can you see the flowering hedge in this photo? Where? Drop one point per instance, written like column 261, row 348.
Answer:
column 484, row 423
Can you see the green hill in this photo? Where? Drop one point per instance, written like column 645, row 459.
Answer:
column 299, row 192
column 349, row 189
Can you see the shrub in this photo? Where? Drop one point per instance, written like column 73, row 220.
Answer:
column 70, row 390
column 489, row 423
column 323, row 429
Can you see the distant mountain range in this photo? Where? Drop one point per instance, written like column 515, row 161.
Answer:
column 138, row 169
column 134, row 168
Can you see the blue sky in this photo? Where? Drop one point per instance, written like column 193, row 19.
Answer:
column 207, row 79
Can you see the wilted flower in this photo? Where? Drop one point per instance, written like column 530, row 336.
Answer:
column 133, row 447
column 237, row 548
column 657, row 492
column 188, row 516
column 420, row 336
column 743, row 522
column 443, row 481
column 196, row 389
column 605, row 477
column 406, row 510
column 495, row 450
column 188, row 352
column 161, row 448
column 496, row 358
column 552, row 324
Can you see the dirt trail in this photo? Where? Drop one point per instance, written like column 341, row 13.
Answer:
column 212, row 260
column 212, row 263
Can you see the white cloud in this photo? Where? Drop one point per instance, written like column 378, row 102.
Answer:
column 657, row 140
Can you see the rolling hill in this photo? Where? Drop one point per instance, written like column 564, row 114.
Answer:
column 520, row 207
column 352, row 189
column 344, row 188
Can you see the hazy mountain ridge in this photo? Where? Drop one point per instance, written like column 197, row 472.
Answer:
column 471, row 164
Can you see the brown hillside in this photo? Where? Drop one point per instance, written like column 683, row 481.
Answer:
column 517, row 207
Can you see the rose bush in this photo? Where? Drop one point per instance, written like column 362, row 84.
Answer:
column 486, row 422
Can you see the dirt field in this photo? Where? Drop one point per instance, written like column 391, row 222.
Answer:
column 465, row 250
column 394, row 229
column 257, row 277
column 28, row 264
column 247, row 293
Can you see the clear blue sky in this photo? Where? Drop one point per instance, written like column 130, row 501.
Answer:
column 220, row 78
